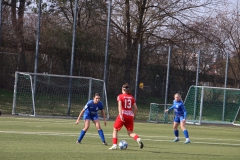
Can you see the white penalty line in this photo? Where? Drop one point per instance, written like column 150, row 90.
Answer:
column 109, row 136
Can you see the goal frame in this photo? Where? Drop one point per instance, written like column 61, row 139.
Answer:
column 238, row 112
column 32, row 79
column 156, row 113
column 200, row 120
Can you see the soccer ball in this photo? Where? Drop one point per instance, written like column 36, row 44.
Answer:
column 123, row 144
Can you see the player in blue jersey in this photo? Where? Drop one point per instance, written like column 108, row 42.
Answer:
column 179, row 118
column 90, row 113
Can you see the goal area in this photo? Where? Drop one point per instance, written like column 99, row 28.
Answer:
column 217, row 105
column 156, row 113
column 37, row 94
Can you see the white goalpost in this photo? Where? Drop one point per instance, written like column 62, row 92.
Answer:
column 37, row 94
column 237, row 118
column 217, row 105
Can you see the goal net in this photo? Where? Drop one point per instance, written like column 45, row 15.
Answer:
column 55, row 95
column 156, row 113
column 212, row 105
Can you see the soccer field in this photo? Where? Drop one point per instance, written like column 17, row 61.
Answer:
column 27, row 138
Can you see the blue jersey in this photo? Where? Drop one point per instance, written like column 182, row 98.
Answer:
column 92, row 109
column 179, row 109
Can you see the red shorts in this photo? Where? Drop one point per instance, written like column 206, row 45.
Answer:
column 128, row 123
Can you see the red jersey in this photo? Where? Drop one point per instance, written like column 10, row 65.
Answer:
column 127, row 103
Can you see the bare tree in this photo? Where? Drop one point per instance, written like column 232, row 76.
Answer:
column 228, row 24
column 154, row 24
column 17, row 17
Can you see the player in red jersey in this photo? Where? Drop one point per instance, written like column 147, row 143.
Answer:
column 127, row 109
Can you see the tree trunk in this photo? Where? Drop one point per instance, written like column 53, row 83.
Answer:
column 18, row 29
column 129, row 54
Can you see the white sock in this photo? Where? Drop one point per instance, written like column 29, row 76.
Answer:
column 138, row 139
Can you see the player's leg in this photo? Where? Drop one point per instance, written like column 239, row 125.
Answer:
column 114, row 139
column 100, row 131
column 176, row 123
column 84, row 130
column 129, row 123
column 185, row 131
column 136, row 138
column 116, row 127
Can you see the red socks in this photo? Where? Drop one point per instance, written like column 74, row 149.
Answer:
column 135, row 137
column 114, row 140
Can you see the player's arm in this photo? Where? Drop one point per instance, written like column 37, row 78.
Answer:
column 169, row 109
column 80, row 115
column 120, row 110
column 184, row 111
column 135, row 109
column 104, row 116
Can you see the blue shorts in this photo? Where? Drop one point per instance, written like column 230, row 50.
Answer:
column 90, row 117
column 178, row 119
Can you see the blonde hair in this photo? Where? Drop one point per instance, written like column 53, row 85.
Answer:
column 179, row 95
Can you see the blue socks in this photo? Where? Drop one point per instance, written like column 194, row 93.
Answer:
column 176, row 133
column 81, row 135
column 100, row 132
column 185, row 132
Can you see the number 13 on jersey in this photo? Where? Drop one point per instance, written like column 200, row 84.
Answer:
column 127, row 103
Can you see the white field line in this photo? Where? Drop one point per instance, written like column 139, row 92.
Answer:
column 67, row 121
column 154, row 137
column 137, row 123
column 145, row 138
column 54, row 122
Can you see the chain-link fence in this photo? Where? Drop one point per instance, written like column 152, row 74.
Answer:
column 9, row 64
column 148, row 84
